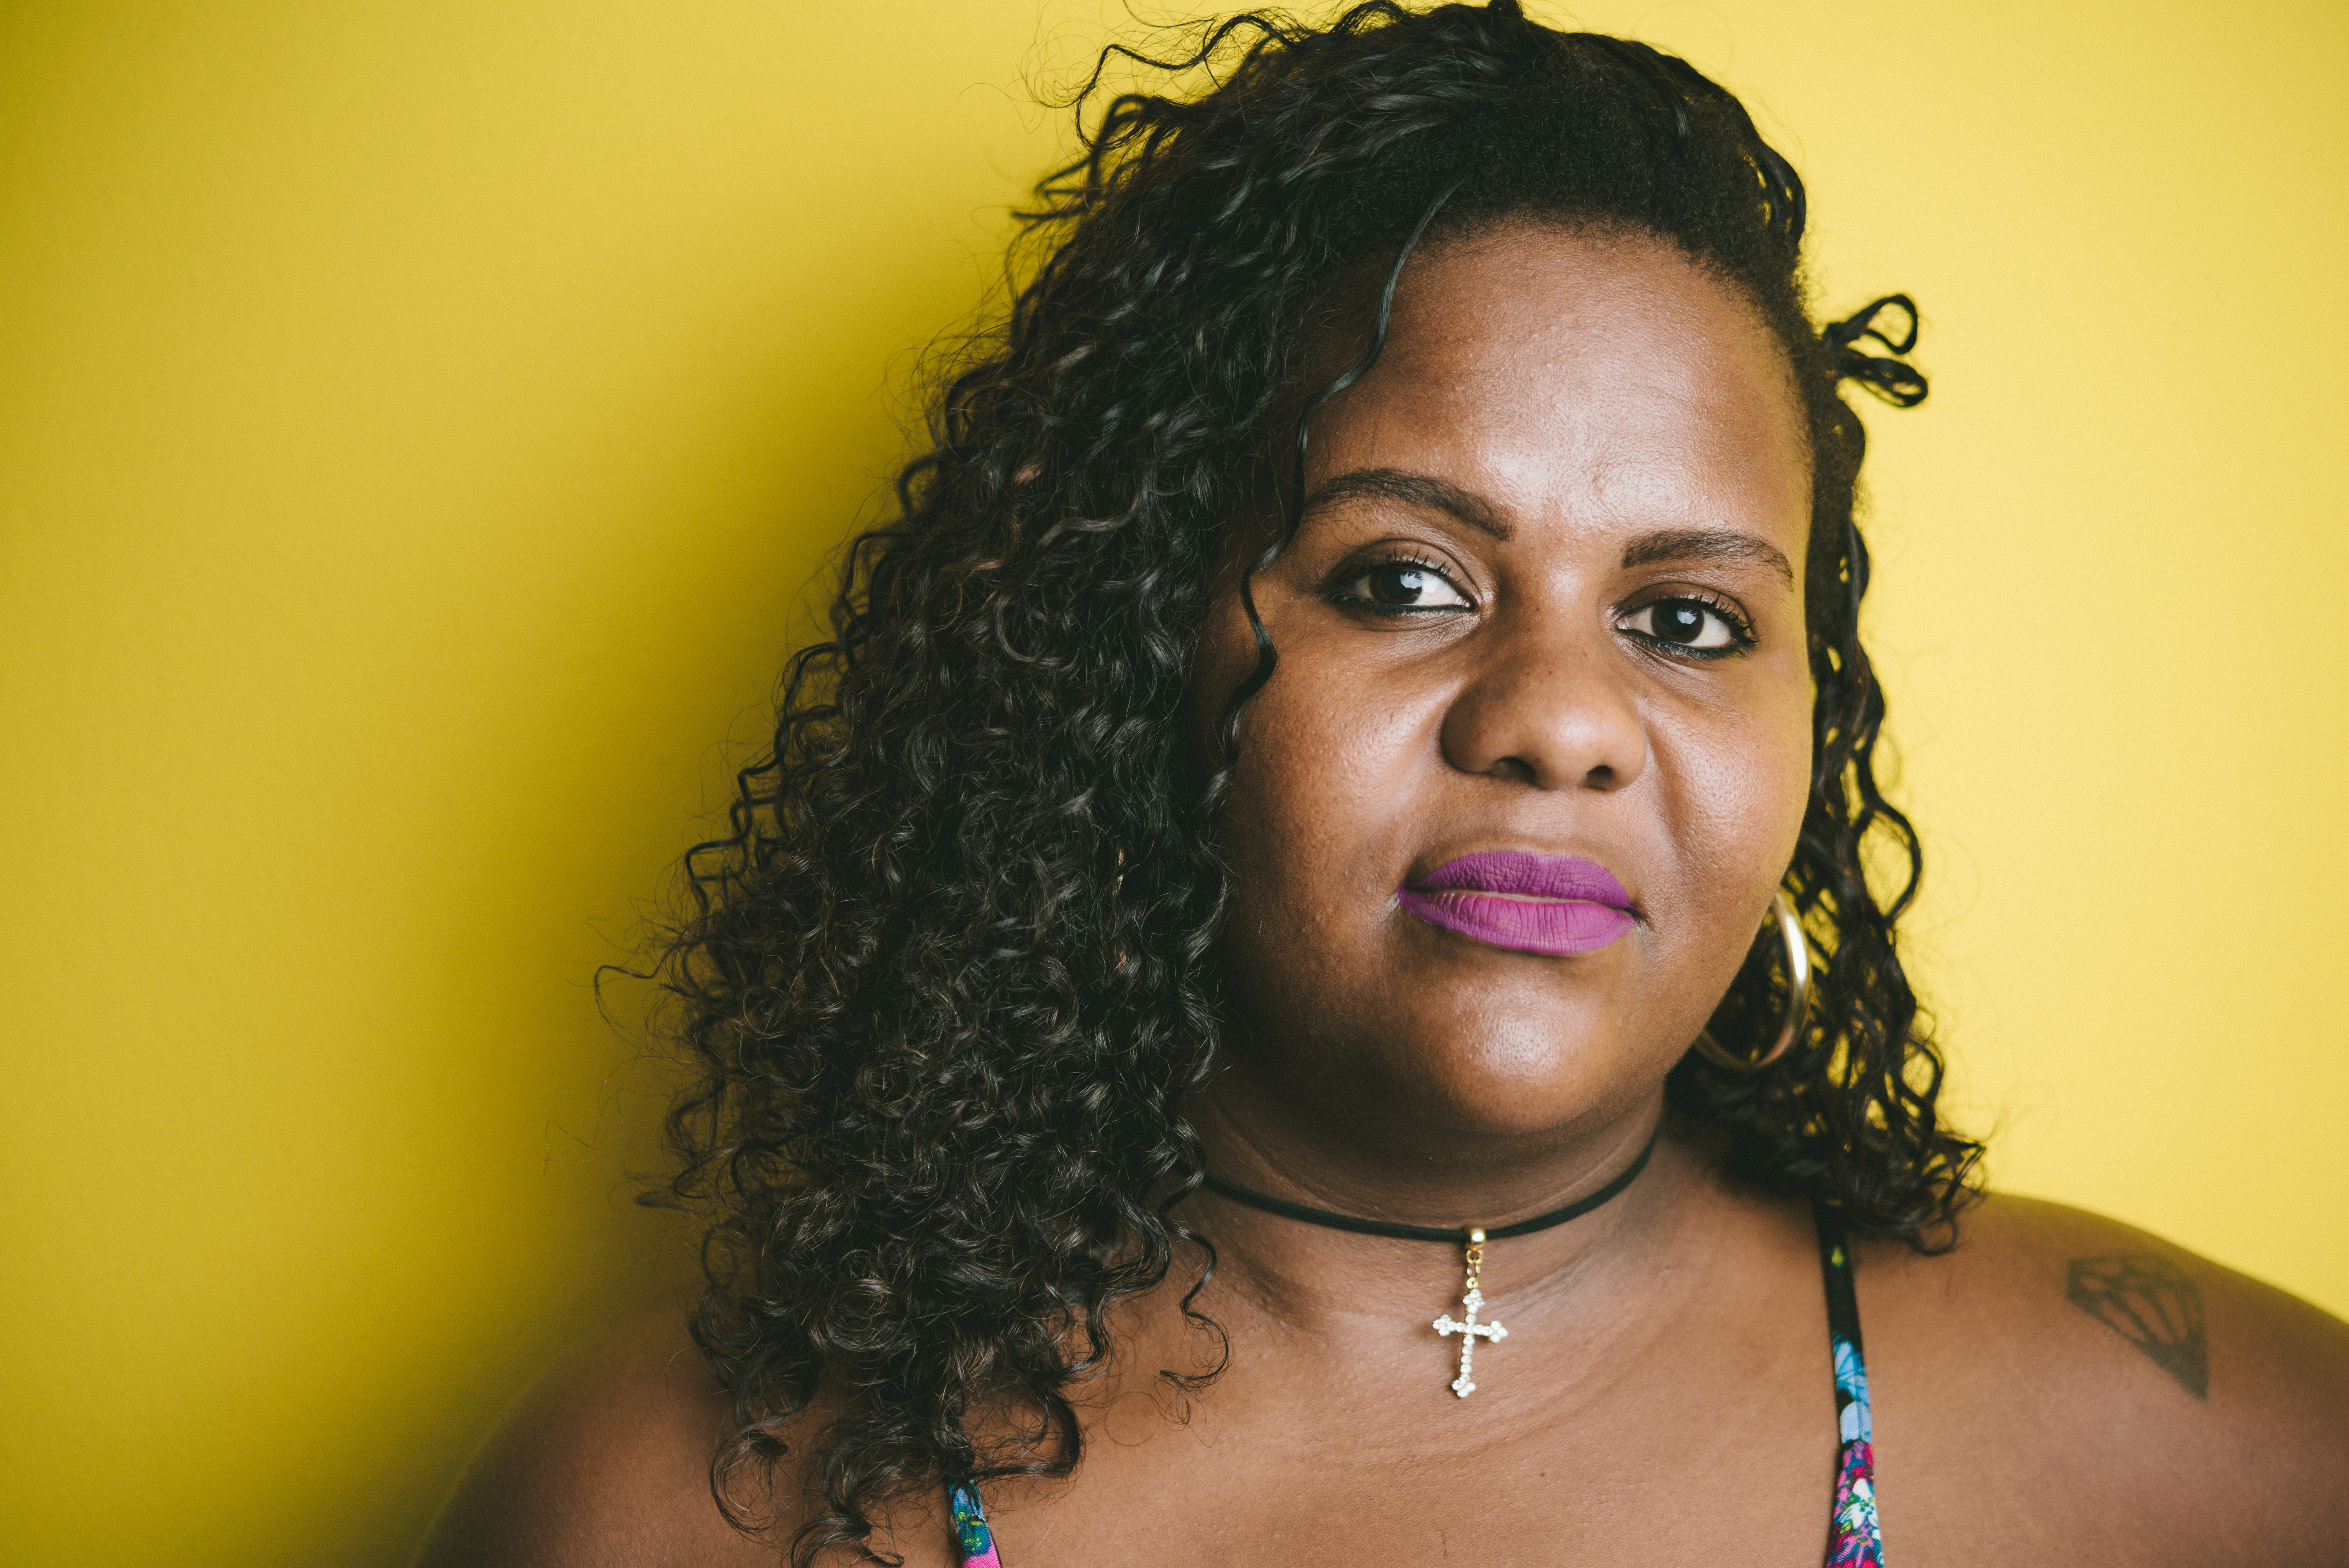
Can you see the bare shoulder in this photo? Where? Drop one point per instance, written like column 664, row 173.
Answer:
column 605, row 1462
column 2088, row 1380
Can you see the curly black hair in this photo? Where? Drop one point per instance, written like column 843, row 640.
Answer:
column 949, row 977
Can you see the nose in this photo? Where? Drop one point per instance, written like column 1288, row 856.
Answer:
column 1544, row 706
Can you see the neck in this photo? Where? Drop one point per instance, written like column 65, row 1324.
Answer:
column 1315, row 1277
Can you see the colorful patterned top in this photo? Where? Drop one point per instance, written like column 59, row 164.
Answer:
column 974, row 1543
column 1853, row 1539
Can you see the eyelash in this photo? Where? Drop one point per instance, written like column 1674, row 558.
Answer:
column 1741, row 630
column 1336, row 594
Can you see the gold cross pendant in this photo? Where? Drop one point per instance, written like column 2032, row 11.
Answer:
column 1470, row 1331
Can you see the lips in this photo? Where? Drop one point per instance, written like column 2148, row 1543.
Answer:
column 1530, row 903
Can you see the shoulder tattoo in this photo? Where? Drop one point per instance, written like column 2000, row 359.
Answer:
column 2155, row 1306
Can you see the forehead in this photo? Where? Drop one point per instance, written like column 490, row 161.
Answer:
column 1599, row 378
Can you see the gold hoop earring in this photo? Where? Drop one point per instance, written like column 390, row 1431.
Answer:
column 1799, row 997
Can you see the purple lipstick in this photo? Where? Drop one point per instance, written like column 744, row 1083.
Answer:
column 1532, row 903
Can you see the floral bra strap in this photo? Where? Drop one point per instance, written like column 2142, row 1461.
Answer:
column 1854, row 1540
column 974, row 1543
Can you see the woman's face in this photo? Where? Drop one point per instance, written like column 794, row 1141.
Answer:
column 1508, row 816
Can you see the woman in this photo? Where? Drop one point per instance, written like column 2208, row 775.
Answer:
column 1232, row 1024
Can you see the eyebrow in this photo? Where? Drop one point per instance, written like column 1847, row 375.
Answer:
column 1706, row 545
column 1412, row 490
column 1436, row 496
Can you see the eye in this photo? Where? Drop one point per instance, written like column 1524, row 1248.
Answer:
column 1693, row 625
column 1399, row 586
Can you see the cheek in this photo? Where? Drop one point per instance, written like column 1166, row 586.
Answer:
column 1736, row 789
column 1226, row 656
column 1321, row 806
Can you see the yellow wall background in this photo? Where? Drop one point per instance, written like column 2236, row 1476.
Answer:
column 418, row 423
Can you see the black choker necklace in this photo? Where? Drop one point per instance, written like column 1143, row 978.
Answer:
column 1472, row 1240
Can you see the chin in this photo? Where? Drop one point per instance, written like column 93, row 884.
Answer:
column 1509, row 1077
